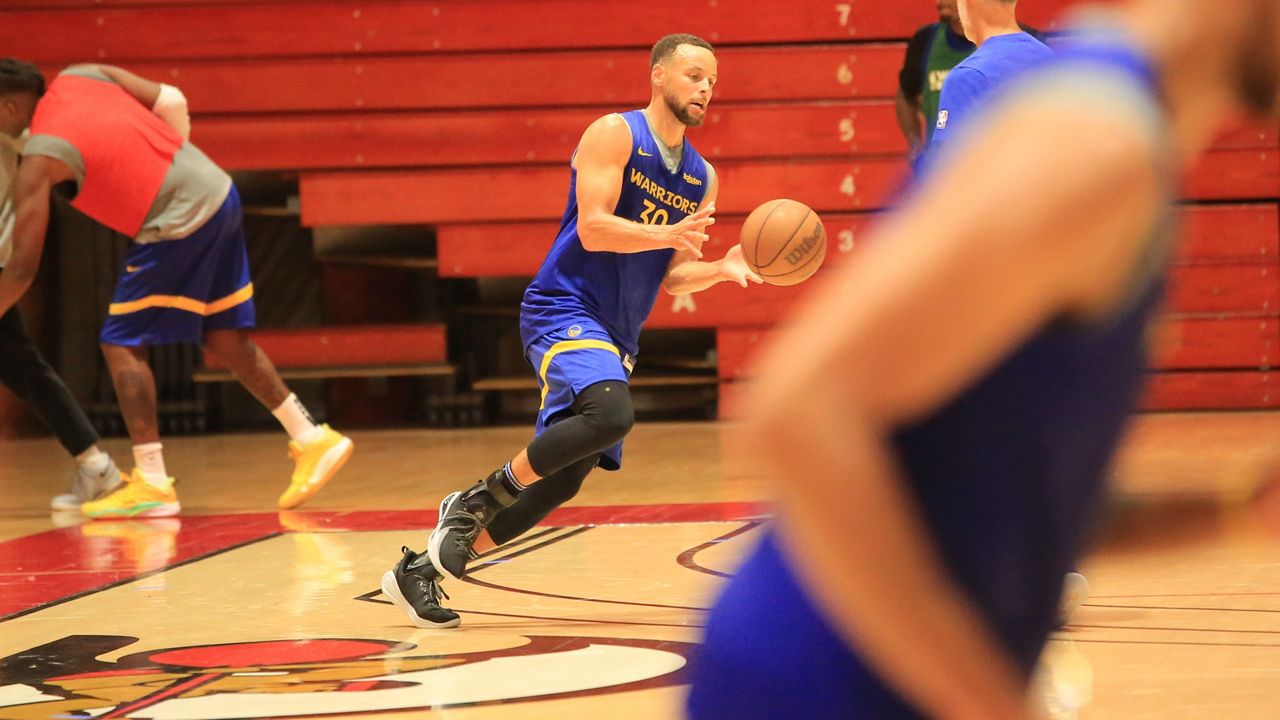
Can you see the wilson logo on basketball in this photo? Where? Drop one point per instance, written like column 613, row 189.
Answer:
column 301, row 678
column 806, row 246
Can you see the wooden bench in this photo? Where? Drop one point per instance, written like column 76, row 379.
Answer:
column 292, row 29
column 345, row 352
column 559, row 79
column 116, row 29
column 532, row 193
column 1212, row 235
column 510, row 137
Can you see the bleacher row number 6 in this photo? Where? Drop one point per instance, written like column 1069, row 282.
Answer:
column 653, row 215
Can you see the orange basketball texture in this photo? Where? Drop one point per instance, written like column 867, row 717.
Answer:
column 784, row 242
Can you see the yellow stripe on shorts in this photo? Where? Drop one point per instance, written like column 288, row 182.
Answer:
column 566, row 346
column 179, row 302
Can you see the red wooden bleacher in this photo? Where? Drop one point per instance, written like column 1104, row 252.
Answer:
column 461, row 115
column 347, row 351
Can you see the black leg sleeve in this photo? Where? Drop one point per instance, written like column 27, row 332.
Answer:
column 602, row 416
column 539, row 500
column 25, row 372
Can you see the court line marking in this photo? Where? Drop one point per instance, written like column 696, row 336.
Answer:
column 686, row 558
column 1175, row 607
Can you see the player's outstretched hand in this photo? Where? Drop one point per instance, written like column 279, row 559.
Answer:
column 734, row 267
column 691, row 232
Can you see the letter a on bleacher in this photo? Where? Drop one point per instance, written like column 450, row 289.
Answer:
column 684, row 303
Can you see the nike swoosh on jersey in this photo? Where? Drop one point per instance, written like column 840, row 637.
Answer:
column 643, row 153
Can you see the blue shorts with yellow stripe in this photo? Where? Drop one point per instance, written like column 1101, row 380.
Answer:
column 172, row 291
column 567, row 362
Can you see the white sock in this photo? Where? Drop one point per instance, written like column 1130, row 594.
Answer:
column 93, row 460
column 149, row 459
column 297, row 421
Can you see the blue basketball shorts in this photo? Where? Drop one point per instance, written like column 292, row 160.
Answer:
column 172, row 291
column 568, row 361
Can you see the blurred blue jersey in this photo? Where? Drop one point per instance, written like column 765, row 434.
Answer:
column 971, row 84
column 1008, row 475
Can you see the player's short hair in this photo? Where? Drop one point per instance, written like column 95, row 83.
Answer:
column 18, row 76
column 666, row 47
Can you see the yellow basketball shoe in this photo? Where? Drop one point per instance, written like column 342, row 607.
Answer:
column 135, row 498
column 316, row 463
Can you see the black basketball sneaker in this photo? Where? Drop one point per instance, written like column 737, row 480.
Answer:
column 414, row 587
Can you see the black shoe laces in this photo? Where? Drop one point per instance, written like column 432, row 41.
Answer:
column 434, row 591
column 464, row 527
column 427, row 586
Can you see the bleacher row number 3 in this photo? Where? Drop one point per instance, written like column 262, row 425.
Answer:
column 653, row 215
column 845, row 241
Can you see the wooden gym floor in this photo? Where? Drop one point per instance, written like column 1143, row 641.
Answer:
column 236, row 611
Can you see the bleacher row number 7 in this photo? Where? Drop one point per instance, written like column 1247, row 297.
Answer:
column 843, row 10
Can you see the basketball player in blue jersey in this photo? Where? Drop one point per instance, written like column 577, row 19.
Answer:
column 941, row 415
column 1004, row 51
column 640, row 201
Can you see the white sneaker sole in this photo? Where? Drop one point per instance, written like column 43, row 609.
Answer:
column 67, row 503
column 70, row 502
column 437, row 536
column 391, row 589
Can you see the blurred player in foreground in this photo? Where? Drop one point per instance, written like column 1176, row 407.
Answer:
column 941, row 416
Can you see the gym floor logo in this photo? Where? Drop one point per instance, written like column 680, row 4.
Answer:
column 301, row 678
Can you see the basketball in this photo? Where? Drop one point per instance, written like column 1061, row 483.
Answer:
column 784, row 242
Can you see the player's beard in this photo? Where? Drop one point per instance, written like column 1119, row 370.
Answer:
column 1257, row 69
column 681, row 111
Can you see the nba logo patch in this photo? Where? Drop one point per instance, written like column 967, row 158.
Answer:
column 942, row 119
column 575, row 331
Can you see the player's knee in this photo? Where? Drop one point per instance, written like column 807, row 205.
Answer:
column 563, row 490
column 607, row 408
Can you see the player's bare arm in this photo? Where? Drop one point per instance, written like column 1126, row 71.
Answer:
column 31, row 189
column 910, row 121
column 688, row 274
column 166, row 101
column 834, row 382
column 601, row 158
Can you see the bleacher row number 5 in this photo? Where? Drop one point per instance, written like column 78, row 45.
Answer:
column 653, row 215
column 847, row 130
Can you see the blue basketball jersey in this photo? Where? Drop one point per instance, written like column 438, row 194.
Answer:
column 980, row 76
column 1008, row 475
column 616, row 290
